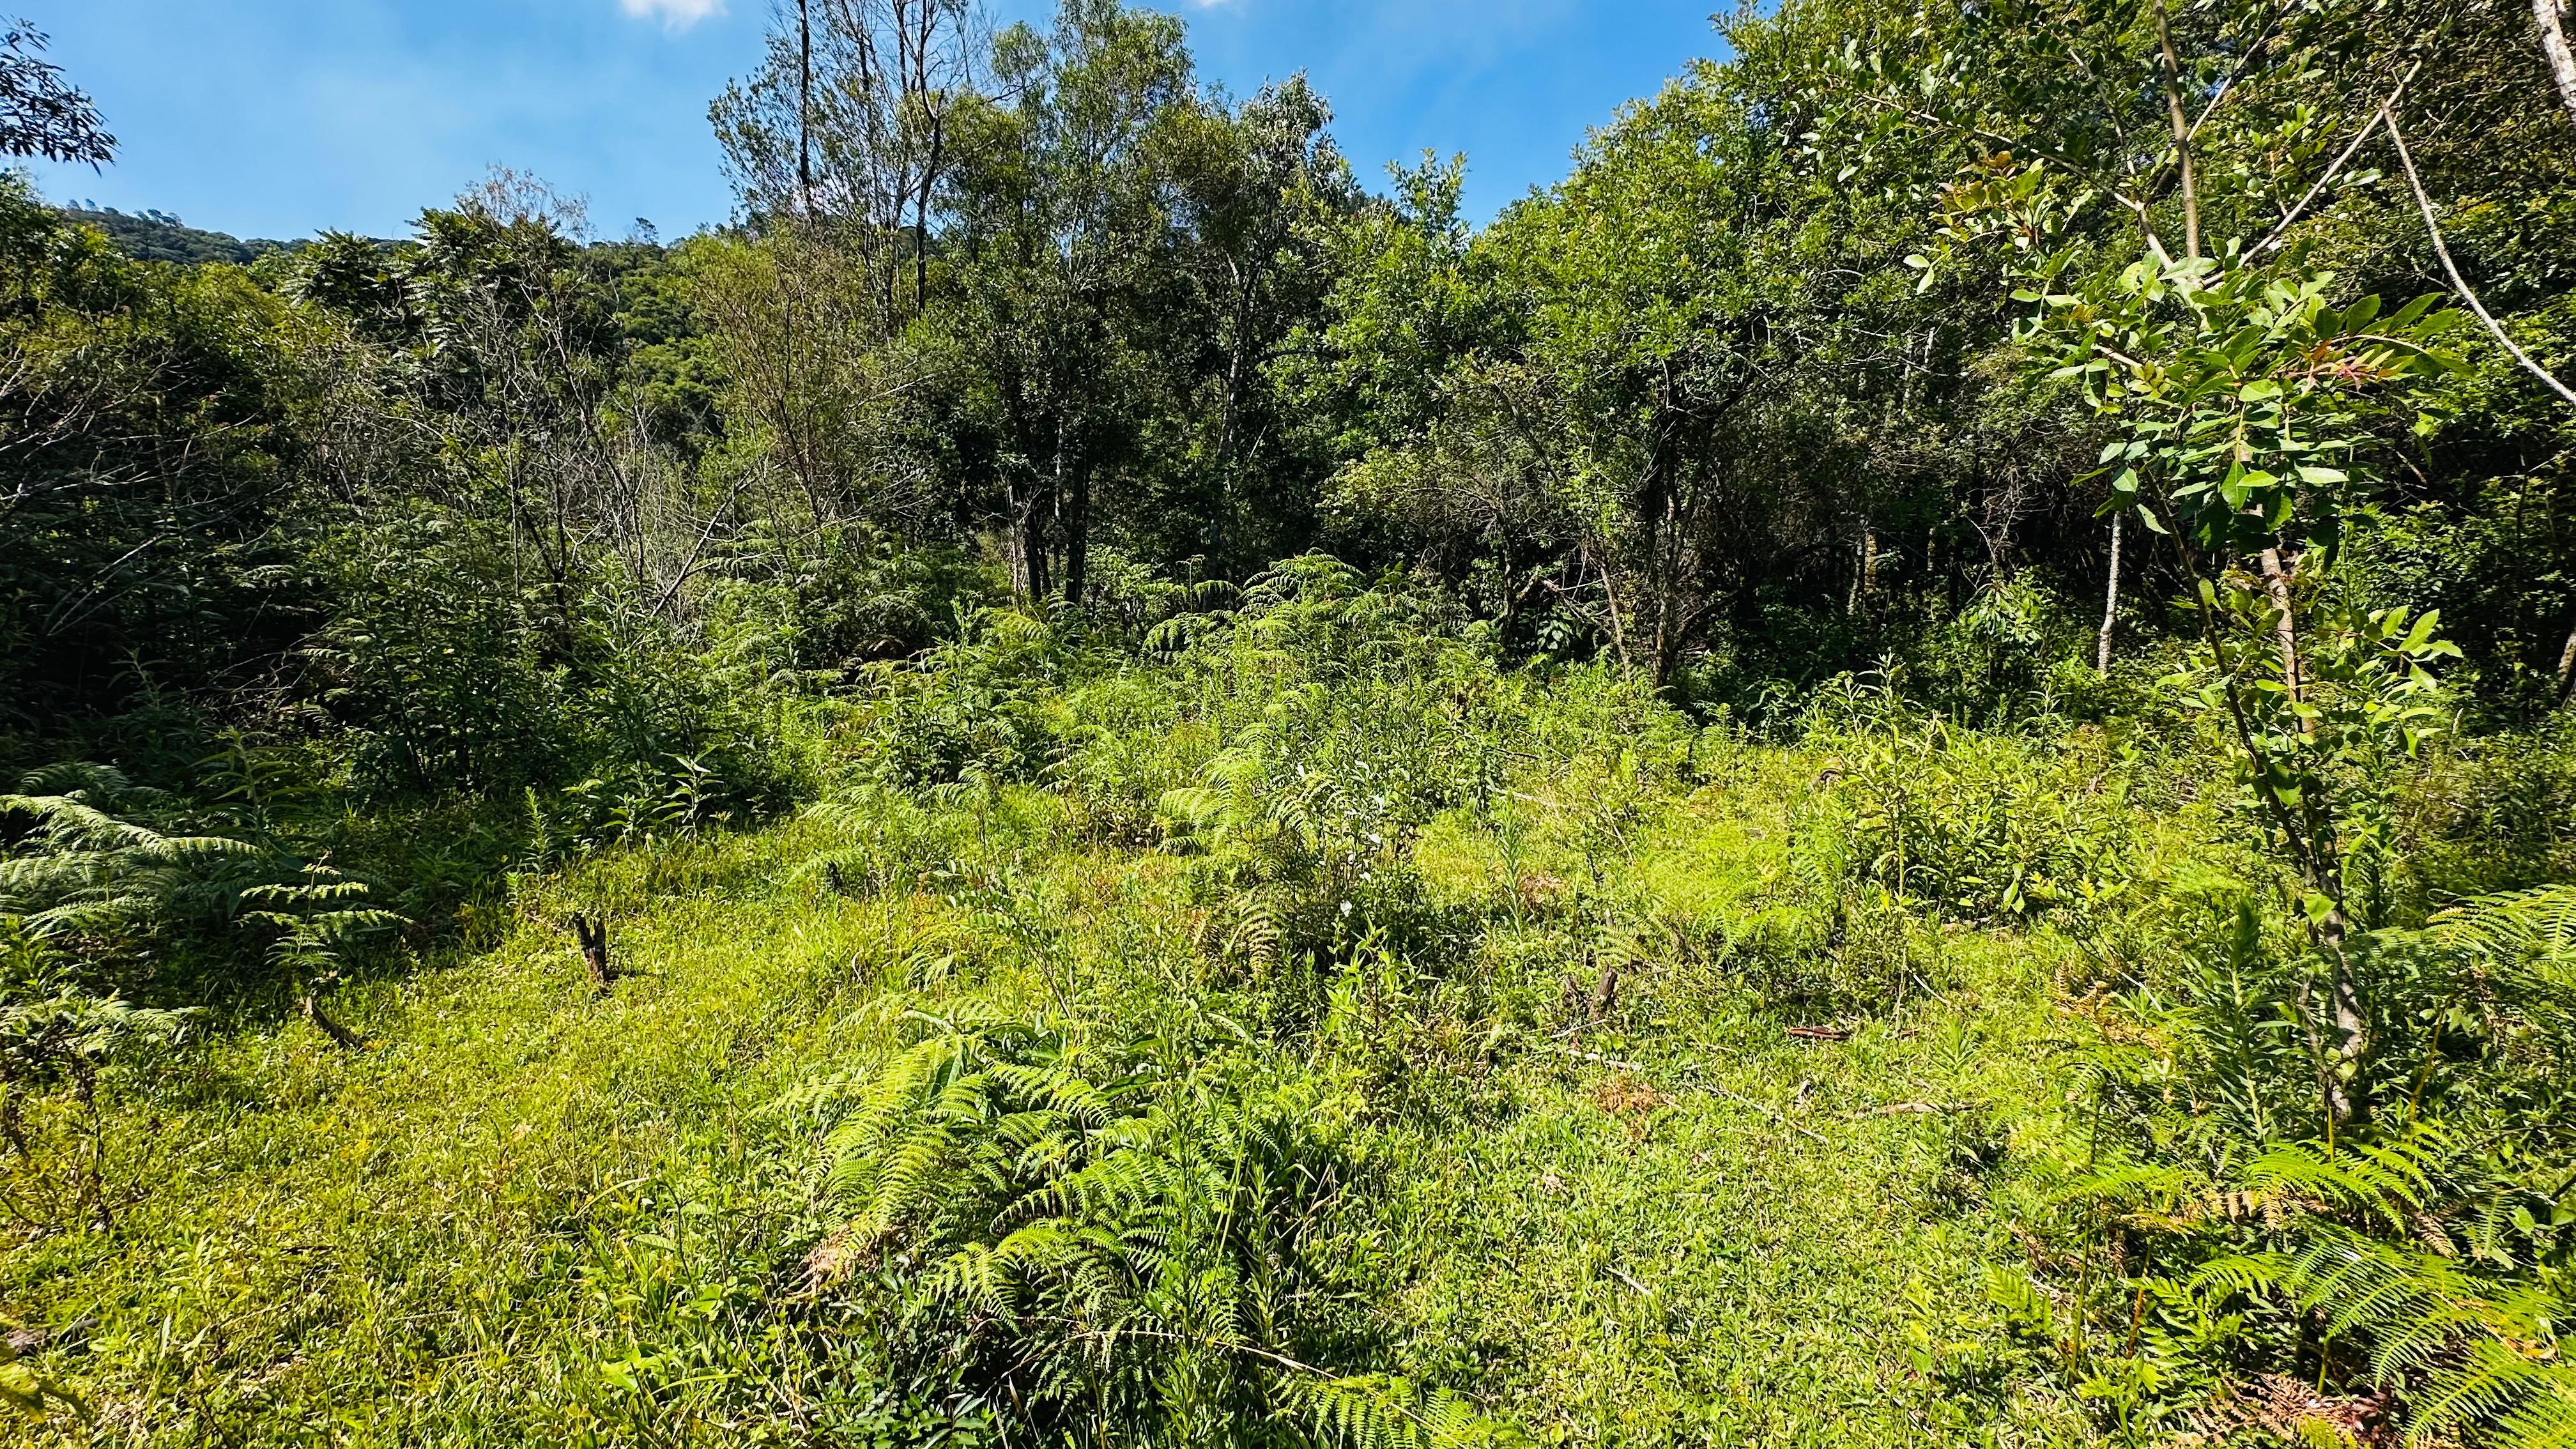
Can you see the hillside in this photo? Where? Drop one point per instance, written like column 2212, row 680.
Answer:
column 154, row 237
column 1601, row 1129
column 582, row 1215
column 1589, row 1074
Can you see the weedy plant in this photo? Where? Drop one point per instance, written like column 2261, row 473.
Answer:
column 63, row 1049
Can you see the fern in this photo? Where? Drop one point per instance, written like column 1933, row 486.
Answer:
column 2419, row 1256
column 83, row 871
column 92, row 873
column 1116, row 1250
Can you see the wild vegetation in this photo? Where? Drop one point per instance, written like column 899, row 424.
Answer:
column 1896, row 767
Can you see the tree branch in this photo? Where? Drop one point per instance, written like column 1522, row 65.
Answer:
column 2424, row 204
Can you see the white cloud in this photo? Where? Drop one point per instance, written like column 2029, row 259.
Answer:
column 675, row 14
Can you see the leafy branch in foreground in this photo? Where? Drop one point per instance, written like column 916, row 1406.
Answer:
column 2413, row 1275
column 2243, row 402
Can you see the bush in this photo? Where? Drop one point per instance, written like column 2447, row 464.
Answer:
column 2225, row 1227
column 1982, row 827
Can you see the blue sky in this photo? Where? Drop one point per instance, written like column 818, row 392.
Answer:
column 281, row 117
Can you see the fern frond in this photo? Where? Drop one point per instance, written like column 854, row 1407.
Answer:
column 1383, row 1411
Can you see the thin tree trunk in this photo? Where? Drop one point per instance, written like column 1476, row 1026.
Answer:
column 1077, row 532
column 2110, row 601
column 2182, row 135
column 1027, row 541
column 804, row 110
column 2351, row 1025
column 2567, row 667
column 2311, row 844
column 2276, row 582
column 2553, row 44
column 1618, row 626
column 921, row 231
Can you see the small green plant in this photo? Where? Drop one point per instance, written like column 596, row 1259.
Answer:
column 61, row 1045
column 1975, row 826
column 2243, row 401
column 1113, row 1250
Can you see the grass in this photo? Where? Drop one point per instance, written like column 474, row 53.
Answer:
column 528, row 1214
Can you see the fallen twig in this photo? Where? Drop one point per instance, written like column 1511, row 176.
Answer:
column 1773, row 1113
column 1894, row 1109
column 1607, row 1061
column 1640, row 1288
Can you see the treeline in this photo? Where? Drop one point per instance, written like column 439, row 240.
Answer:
column 1775, row 385
column 156, row 236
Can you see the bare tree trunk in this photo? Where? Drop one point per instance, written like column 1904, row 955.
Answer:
column 1022, row 503
column 2553, row 44
column 1618, row 625
column 2182, row 135
column 1077, row 531
column 2351, row 1025
column 804, row 110
column 2276, row 582
column 2567, row 667
column 2110, row 602
column 1864, row 564
column 1028, row 541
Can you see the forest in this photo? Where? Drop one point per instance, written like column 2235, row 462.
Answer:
column 1895, row 767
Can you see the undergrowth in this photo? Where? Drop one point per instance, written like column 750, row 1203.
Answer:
column 1282, row 1025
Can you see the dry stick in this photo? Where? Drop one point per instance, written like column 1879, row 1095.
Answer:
column 1621, row 1063
column 1773, row 1113
column 2424, row 204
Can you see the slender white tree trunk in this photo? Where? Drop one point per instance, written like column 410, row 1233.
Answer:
column 2553, row 44
column 2110, row 601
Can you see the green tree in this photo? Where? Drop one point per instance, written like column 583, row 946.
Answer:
column 41, row 114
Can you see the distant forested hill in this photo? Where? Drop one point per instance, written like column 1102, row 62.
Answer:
column 157, row 236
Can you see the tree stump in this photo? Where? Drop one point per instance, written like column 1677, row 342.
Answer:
column 592, row 935
column 323, row 1023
